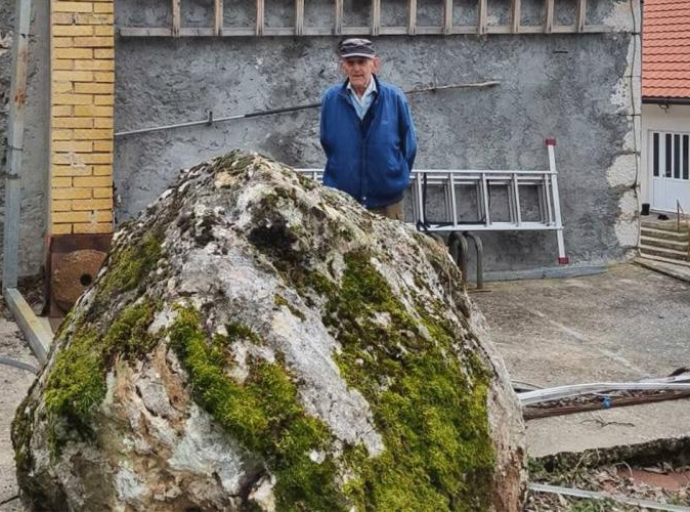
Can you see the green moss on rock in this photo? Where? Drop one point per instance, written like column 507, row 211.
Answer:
column 428, row 396
column 263, row 413
column 430, row 409
column 76, row 384
column 132, row 264
column 279, row 301
column 22, row 433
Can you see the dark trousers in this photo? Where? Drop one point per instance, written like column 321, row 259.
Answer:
column 392, row 211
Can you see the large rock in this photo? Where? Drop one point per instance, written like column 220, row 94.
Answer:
column 259, row 342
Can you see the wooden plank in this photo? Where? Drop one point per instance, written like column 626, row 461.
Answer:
column 197, row 32
column 481, row 18
column 548, row 22
column 375, row 17
column 516, row 16
column 393, row 31
column 412, row 17
column 597, row 29
column 318, row 31
column 448, row 17
column 356, row 31
column 217, row 17
column 279, row 31
column 176, row 18
column 466, row 29
column 564, row 29
column 429, row 31
column 499, row 29
column 299, row 17
column 37, row 335
column 260, row 24
column 338, row 30
column 238, row 31
column 145, row 32
column 531, row 29
column 581, row 15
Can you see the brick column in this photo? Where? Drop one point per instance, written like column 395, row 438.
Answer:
column 82, row 79
column 81, row 146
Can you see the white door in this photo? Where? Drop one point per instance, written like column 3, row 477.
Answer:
column 669, row 162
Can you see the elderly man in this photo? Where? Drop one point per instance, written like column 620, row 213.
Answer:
column 367, row 133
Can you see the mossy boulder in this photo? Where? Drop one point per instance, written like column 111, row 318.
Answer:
column 256, row 341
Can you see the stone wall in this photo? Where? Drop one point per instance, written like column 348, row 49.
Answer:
column 35, row 162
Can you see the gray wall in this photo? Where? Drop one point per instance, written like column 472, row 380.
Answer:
column 577, row 88
column 35, row 167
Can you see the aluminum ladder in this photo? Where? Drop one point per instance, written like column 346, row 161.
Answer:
column 482, row 181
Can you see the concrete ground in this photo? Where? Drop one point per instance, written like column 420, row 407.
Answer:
column 14, row 384
column 626, row 324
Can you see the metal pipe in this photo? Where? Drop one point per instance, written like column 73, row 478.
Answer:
column 18, row 364
column 548, row 394
column 479, row 248
column 485, row 201
column 453, row 199
column 15, row 145
column 211, row 120
column 627, row 500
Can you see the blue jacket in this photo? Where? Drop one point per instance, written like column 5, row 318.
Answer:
column 369, row 159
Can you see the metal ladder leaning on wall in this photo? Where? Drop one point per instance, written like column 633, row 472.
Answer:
column 482, row 181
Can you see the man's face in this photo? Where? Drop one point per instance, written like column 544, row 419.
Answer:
column 359, row 70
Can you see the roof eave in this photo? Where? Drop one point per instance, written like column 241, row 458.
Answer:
column 665, row 100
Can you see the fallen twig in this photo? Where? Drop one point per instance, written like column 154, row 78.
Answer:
column 9, row 500
column 603, row 423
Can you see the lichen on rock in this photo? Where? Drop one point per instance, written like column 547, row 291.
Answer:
column 256, row 341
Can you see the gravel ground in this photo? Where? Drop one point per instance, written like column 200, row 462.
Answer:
column 14, row 384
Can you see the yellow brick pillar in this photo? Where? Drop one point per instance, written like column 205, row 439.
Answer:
column 82, row 99
column 81, row 145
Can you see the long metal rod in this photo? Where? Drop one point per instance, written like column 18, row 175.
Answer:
column 562, row 258
column 549, row 394
column 454, row 200
column 516, row 191
column 485, row 201
column 579, row 493
column 15, row 145
column 211, row 120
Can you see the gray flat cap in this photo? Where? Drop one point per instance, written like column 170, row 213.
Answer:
column 356, row 48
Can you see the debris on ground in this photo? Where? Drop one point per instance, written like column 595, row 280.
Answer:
column 627, row 472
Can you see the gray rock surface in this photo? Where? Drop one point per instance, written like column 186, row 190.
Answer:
column 258, row 341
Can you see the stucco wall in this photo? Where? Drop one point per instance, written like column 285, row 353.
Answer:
column 578, row 88
column 34, row 169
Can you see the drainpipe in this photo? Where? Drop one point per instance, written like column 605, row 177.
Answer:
column 15, row 145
